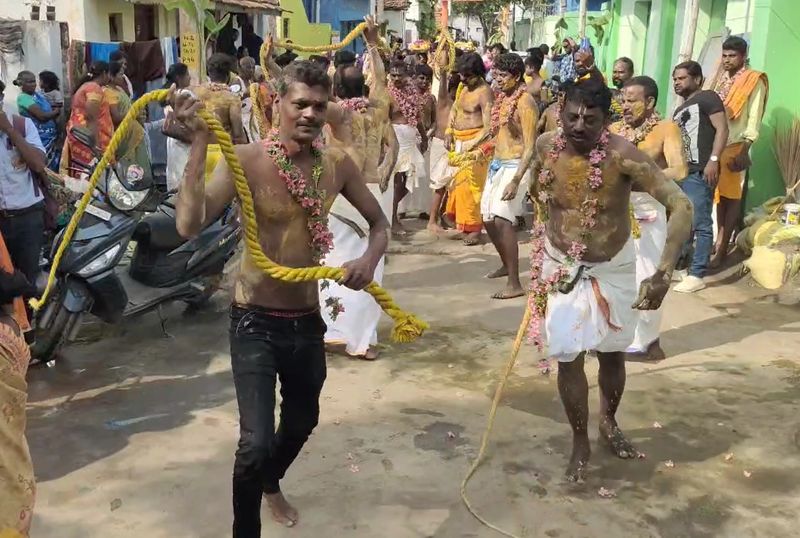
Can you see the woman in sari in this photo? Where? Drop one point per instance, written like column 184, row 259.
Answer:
column 16, row 470
column 34, row 105
column 90, row 112
column 133, row 149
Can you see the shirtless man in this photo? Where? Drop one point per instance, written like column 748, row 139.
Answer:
column 441, row 171
column 533, row 66
column 468, row 126
column 405, row 112
column 217, row 97
column 276, row 327
column 357, row 126
column 515, row 139
column 584, row 279
column 661, row 141
column 549, row 119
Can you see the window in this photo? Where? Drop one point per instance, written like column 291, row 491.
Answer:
column 35, row 13
column 285, row 28
column 51, row 13
column 115, row 26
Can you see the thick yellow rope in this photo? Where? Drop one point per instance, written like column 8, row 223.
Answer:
column 258, row 110
column 498, row 393
column 407, row 327
column 349, row 38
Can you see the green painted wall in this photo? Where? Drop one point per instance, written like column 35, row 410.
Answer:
column 776, row 39
column 663, row 72
column 300, row 30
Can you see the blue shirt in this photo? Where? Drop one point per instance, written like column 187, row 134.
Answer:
column 16, row 181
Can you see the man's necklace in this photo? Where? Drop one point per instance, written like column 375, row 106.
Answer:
column 636, row 135
column 725, row 86
column 504, row 108
column 305, row 193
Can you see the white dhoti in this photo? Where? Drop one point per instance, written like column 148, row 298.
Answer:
column 501, row 172
column 597, row 313
column 652, row 218
column 412, row 163
column 441, row 171
column 357, row 326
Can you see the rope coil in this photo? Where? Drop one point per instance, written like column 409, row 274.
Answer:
column 407, row 327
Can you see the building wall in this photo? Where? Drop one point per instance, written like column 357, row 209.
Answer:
column 396, row 21
column 300, row 29
column 337, row 13
column 777, row 38
column 41, row 46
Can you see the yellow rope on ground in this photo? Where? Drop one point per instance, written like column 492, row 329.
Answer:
column 498, row 393
column 407, row 327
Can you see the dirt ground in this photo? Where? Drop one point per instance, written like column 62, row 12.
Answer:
column 133, row 433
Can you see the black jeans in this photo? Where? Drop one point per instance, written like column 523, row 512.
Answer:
column 24, row 236
column 264, row 347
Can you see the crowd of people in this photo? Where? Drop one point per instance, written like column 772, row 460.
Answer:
column 338, row 151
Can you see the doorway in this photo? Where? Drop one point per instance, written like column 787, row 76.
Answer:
column 144, row 22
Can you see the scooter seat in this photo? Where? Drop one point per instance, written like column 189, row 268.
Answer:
column 159, row 231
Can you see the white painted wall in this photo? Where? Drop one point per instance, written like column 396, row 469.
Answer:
column 41, row 45
column 396, row 20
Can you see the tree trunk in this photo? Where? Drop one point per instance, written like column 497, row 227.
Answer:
column 582, row 19
column 689, row 30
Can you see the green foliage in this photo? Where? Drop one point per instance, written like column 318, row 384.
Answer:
column 201, row 14
column 426, row 25
column 599, row 24
column 486, row 11
column 560, row 31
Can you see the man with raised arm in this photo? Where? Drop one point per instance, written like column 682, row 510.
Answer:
column 276, row 330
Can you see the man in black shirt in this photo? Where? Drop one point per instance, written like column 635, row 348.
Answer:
column 704, row 129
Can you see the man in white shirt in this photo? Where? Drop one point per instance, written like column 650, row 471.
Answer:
column 21, row 200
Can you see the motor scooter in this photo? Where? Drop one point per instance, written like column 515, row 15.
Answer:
column 93, row 277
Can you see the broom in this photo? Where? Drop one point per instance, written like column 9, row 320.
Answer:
column 787, row 153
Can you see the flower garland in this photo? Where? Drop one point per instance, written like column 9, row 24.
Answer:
column 636, row 135
column 410, row 102
column 504, row 108
column 306, row 193
column 541, row 287
column 355, row 104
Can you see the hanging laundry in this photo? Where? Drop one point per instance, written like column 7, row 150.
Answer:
column 145, row 63
column 101, row 52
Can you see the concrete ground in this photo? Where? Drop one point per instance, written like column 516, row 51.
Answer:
column 133, row 433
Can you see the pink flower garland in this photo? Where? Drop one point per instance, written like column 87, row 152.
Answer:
column 303, row 192
column 540, row 287
column 504, row 108
column 355, row 104
column 410, row 102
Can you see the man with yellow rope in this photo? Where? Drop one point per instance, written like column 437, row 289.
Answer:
column 583, row 274
column 468, row 127
column 357, row 126
column 514, row 117
column 661, row 141
column 276, row 327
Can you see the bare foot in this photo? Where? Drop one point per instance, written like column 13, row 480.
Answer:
column 616, row 440
column 581, row 451
column 509, row 293
column 371, row 354
column 498, row 273
column 282, row 512
column 654, row 352
column 472, row 239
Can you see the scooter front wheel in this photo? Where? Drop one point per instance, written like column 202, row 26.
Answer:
column 52, row 338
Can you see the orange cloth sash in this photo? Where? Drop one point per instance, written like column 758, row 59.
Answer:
column 741, row 90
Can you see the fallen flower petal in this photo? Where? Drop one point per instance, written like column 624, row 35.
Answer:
column 669, row 464
column 729, row 457
column 451, row 435
column 606, row 493
column 747, row 474
column 354, row 468
column 657, row 425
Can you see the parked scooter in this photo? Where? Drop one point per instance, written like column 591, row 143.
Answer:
column 128, row 207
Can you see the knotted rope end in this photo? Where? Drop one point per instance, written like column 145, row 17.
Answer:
column 408, row 328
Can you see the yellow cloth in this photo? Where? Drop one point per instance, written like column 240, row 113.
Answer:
column 464, row 200
column 213, row 155
column 730, row 183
